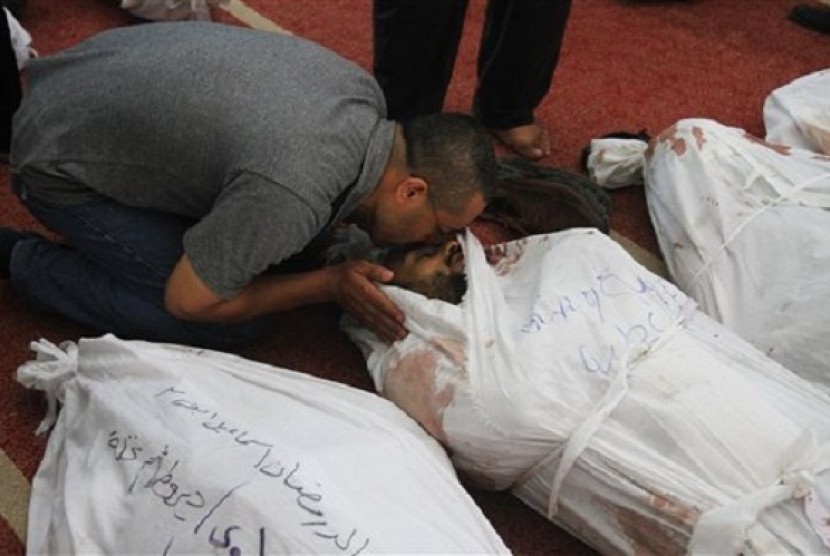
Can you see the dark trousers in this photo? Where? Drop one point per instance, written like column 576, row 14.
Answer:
column 9, row 84
column 416, row 42
column 112, row 271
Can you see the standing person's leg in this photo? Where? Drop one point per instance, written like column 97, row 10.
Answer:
column 9, row 85
column 112, row 272
column 415, row 43
column 519, row 52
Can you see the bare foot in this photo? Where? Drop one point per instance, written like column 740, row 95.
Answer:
column 530, row 141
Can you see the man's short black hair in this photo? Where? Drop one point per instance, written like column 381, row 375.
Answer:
column 454, row 154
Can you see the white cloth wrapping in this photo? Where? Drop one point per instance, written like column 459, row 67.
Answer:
column 598, row 394
column 744, row 228
column 798, row 114
column 615, row 163
column 21, row 41
column 172, row 10
column 169, row 450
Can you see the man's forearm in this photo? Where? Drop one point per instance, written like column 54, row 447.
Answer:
column 271, row 294
column 188, row 298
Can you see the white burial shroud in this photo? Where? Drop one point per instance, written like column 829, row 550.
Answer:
column 798, row 114
column 744, row 224
column 596, row 392
column 162, row 449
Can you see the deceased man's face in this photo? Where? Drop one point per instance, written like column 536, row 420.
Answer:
column 436, row 271
column 425, row 261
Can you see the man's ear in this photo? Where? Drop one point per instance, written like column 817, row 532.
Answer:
column 411, row 190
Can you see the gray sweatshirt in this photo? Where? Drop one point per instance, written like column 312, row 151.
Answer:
column 252, row 134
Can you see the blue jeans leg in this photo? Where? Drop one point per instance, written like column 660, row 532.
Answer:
column 112, row 271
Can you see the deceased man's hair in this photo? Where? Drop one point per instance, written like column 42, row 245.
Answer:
column 446, row 287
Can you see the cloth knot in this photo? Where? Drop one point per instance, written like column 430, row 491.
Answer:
column 801, row 481
column 49, row 372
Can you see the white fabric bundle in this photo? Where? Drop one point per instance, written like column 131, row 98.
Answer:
column 170, row 450
column 21, row 41
column 598, row 394
column 615, row 163
column 172, row 10
column 798, row 114
column 744, row 229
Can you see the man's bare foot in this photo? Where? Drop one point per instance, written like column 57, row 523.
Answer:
column 530, row 141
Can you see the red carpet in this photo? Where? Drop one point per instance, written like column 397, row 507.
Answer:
column 625, row 65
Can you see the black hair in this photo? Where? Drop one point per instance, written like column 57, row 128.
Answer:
column 446, row 287
column 454, row 154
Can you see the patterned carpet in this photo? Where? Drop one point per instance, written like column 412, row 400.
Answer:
column 626, row 65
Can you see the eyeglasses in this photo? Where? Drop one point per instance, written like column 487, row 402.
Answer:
column 442, row 230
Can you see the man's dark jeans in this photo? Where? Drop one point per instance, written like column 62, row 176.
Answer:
column 112, row 271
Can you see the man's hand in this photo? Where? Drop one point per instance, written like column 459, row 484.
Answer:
column 352, row 286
